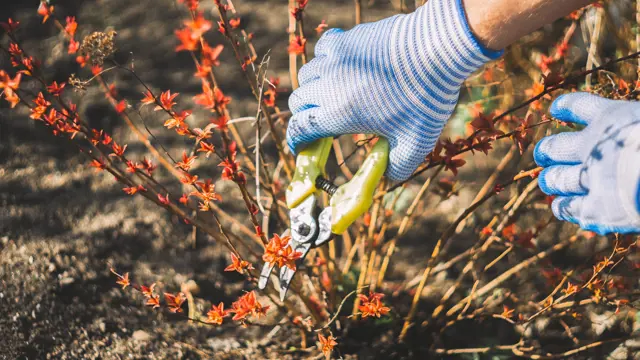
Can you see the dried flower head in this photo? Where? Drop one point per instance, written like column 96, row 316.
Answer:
column 77, row 84
column 98, row 46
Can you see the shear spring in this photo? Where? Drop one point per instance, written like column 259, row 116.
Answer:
column 326, row 185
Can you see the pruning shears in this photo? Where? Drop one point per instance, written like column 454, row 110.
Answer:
column 310, row 226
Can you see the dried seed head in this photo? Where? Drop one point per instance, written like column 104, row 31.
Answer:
column 98, row 46
column 77, row 84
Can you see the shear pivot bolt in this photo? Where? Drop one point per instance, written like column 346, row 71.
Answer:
column 304, row 229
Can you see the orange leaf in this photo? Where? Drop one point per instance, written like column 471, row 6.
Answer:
column 122, row 279
column 45, row 11
column 163, row 199
column 321, row 27
column 297, row 45
column 71, row 26
column 121, row 107
column 235, row 23
column 174, row 302
column 166, row 100
column 148, row 98
column 238, row 265
column 327, row 344
column 217, row 314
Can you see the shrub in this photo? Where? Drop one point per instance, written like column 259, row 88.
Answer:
column 493, row 253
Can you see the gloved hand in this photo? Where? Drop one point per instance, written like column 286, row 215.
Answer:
column 399, row 78
column 594, row 172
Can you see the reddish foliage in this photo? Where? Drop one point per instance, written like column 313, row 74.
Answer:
column 188, row 179
column 147, row 166
column 207, row 148
column 248, row 305
column 299, row 9
column 211, row 98
column 198, row 25
column 187, row 162
column 231, row 167
column 15, row 50
column 121, row 106
column 153, row 300
column 278, row 252
column 206, row 194
column 98, row 164
column 210, row 56
column 10, row 25
column 10, row 86
column 327, row 344
column 96, row 70
column 175, row 301
column 238, row 265
column 506, row 312
column 164, row 200
column 166, row 101
column 234, row 23
column 148, row 98
column 217, row 314
column 71, row 26
column 123, row 280
column 117, row 149
column 297, row 45
column 188, row 40
column 45, row 11
column 41, row 106
column 191, row 4
column 133, row 189
column 372, row 305
column 106, row 139
column 220, row 122
column 55, row 89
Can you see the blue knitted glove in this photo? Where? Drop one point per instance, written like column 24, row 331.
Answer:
column 399, row 78
column 595, row 172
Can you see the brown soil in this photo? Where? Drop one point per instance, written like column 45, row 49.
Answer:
column 62, row 224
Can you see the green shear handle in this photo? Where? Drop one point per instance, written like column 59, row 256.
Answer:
column 351, row 199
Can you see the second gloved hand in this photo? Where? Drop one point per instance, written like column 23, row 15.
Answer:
column 594, row 173
column 398, row 78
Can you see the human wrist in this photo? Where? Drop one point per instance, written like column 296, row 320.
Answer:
column 433, row 50
column 448, row 19
column 478, row 43
column 499, row 23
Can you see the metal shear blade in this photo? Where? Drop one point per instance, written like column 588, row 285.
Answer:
column 307, row 232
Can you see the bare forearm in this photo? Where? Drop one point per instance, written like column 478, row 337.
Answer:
column 499, row 23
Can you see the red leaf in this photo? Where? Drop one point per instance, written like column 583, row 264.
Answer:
column 71, row 26
column 45, row 11
column 73, row 47
column 174, row 302
column 10, row 25
column 238, row 265
column 321, row 27
column 297, row 45
column 166, row 100
column 163, row 199
column 121, row 107
column 235, row 23
column 55, row 89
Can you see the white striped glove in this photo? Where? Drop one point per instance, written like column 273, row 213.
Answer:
column 595, row 172
column 398, row 78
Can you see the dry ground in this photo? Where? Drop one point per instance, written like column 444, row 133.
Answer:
column 61, row 224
